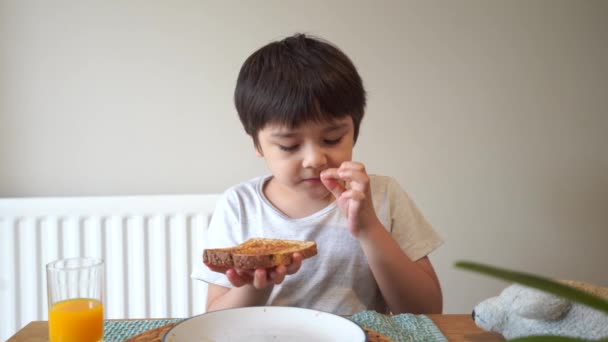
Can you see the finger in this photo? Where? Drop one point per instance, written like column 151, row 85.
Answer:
column 219, row 269
column 355, row 199
column 356, row 175
column 260, row 279
column 234, row 278
column 332, row 182
column 353, row 195
column 348, row 168
column 296, row 263
column 353, row 217
column 352, row 165
column 245, row 273
column 278, row 274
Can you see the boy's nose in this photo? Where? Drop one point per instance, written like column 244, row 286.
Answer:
column 315, row 158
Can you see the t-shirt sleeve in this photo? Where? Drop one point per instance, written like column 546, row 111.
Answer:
column 222, row 232
column 409, row 227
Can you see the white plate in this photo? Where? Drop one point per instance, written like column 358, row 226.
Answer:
column 266, row 323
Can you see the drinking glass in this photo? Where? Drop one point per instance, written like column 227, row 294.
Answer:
column 75, row 296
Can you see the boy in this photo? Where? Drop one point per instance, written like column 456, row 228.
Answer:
column 302, row 101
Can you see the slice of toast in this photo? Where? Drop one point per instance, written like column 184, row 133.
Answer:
column 259, row 253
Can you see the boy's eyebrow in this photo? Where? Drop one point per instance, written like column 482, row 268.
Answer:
column 291, row 134
column 284, row 134
column 335, row 127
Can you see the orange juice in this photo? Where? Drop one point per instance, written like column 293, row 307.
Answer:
column 76, row 320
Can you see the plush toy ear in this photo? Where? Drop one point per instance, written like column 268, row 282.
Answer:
column 535, row 304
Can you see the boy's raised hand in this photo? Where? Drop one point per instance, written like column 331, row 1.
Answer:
column 261, row 278
column 354, row 200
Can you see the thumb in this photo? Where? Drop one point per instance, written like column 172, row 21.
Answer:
column 330, row 180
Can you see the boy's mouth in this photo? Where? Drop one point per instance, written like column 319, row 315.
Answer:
column 313, row 179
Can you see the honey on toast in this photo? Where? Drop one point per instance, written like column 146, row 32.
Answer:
column 259, row 253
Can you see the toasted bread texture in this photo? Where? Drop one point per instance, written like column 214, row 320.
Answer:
column 259, row 253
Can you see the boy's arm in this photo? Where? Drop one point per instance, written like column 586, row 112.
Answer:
column 251, row 287
column 219, row 297
column 406, row 285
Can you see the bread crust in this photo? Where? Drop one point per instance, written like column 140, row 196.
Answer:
column 259, row 253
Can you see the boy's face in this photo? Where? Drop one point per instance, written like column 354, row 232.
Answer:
column 297, row 156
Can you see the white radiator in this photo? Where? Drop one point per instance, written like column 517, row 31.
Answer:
column 148, row 243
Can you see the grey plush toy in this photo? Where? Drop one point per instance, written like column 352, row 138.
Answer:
column 522, row 311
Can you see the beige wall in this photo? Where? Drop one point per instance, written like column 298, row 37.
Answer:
column 492, row 114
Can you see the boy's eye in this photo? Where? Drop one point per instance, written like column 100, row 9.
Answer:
column 289, row 148
column 332, row 141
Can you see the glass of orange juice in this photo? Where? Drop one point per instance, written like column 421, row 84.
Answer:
column 75, row 295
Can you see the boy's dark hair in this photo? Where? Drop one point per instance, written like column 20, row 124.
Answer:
column 295, row 80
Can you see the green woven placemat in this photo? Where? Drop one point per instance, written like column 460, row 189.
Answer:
column 118, row 331
column 400, row 328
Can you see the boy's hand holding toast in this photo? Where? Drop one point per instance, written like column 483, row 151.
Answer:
column 260, row 278
column 259, row 262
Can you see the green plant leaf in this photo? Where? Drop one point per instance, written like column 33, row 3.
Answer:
column 547, row 338
column 538, row 282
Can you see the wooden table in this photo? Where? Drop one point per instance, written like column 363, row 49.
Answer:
column 454, row 327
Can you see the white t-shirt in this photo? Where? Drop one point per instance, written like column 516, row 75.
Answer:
column 338, row 279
